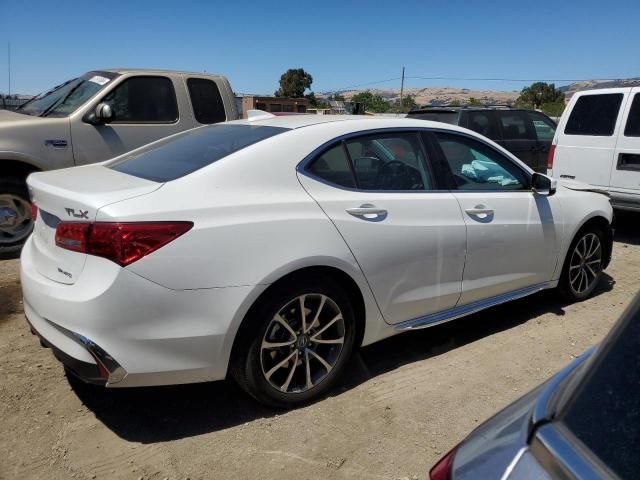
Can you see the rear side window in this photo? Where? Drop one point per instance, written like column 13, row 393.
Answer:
column 545, row 128
column 482, row 122
column 594, row 115
column 514, row 126
column 144, row 100
column 632, row 128
column 333, row 166
column 178, row 156
column 206, row 100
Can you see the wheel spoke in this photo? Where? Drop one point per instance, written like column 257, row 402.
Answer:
column 278, row 318
column 279, row 365
column 320, row 359
column 316, row 318
column 331, row 322
column 307, row 369
column 591, row 270
column 270, row 345
column 329, row 341
column 303, row 315
column 285, row 385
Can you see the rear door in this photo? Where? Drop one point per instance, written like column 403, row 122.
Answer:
column 146, row 110
column 625, row 171
column 586, row 137
column 511, row 233
column 407, row 233
column 518, row 135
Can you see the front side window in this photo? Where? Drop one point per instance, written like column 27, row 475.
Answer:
column 206, row 101
column 476, row 166
column 545, row 128
column 632, row 129
column 594, row 115
column 189, row 151
column 144, row 100
column 384, row 162
column 514, row 126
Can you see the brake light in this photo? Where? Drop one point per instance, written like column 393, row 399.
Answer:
column 122, row 243
column 552, row 152
column 442, row 469
column 34, row 211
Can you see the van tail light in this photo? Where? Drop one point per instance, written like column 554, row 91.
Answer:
column 442, row 469
column 552, row 152
column 122, row 243
column 34, row 211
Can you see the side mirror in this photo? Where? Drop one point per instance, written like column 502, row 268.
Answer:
column 103, row 113
column 543, row 185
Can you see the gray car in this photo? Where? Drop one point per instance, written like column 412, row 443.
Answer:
column 584, row 423
column 97, row 116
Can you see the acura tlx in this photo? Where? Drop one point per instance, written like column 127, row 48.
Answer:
column 268, row 249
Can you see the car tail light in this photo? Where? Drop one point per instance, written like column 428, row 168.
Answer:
column 442, row 469
column 552, row 152
column 34, row 211
column 122, row 243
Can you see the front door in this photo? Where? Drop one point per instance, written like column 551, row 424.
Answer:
column 407, row 235
column 511, row 234
column 145, row 109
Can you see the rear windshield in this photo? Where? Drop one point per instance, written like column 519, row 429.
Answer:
column 437, row 116
column 181, row 155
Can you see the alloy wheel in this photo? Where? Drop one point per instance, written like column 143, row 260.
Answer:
column 15, row 219
column 586, row 263
column 302, row 343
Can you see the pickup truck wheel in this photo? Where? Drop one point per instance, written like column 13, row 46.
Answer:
column 15, row 216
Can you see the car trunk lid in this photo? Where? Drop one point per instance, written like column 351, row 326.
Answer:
column 74, row 195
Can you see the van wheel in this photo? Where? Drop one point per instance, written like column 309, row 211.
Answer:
column 296, row 343
column 15, row 216
column 583, row 265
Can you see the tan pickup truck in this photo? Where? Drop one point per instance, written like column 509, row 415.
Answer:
column 97, row 116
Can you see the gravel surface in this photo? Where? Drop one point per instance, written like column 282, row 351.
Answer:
column 405, row 401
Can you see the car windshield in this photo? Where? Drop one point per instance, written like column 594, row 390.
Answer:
column 65, row 98
column 603, row 412
column 185, row 153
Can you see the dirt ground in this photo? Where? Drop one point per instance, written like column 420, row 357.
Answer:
column 404, row 403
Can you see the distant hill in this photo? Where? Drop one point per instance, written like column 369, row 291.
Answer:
column 437, row 95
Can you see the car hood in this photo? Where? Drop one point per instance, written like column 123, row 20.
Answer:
column 9, row 118
column 582, row 187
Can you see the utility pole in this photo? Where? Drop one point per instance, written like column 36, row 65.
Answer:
column 401, row 91
column 9, row 60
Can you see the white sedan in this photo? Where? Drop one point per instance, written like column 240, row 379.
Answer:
column 270, row 248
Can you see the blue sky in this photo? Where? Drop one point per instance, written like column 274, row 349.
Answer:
column 340, row 43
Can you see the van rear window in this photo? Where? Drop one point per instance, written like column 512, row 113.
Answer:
column 633, row 121
column 187, row 152
column 594, row 115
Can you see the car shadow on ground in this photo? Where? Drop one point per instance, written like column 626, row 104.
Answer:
column 627, row 228
column 159, row 414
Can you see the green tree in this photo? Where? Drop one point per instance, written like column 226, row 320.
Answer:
column 553, row 109
column 372, row 103
column 293, row 83
column 474, row 101
column 455, row 103
column 408, row 104
column 539, row 93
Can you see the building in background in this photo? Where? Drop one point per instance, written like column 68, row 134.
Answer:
column 274, row 104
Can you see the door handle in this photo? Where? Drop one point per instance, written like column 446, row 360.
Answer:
column 367, row 211
column 480, row 211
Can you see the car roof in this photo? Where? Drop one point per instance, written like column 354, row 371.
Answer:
column 154, row 70
column 355, row 122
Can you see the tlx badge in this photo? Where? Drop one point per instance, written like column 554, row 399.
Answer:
column 79, row 214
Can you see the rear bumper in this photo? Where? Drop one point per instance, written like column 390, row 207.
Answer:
column 85, row 371
column 153, row 335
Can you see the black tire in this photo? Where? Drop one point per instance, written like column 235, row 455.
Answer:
column 566, row 288
column 10, row 243
column 247, row 359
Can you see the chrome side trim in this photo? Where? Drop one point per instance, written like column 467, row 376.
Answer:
column 463, row 310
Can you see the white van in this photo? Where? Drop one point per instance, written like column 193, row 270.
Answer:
column 598, row 142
